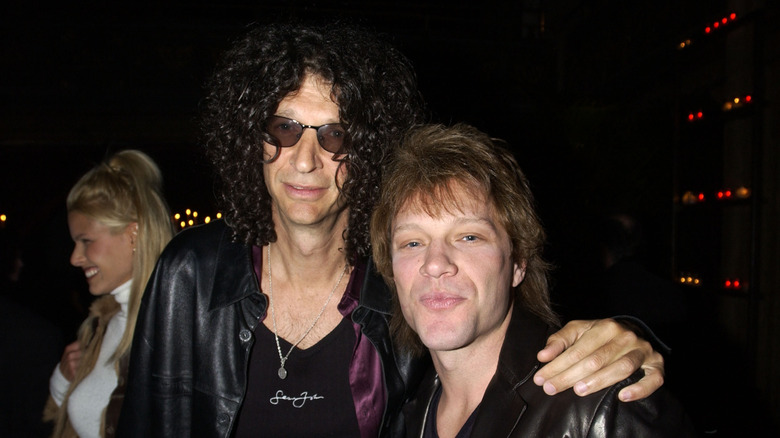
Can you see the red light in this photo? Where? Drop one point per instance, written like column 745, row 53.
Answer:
column 748, row 98
column 733, row 16
column 728, row 193
column 728, row 283
column 716, row 24
column 736, row 284
column 724, row 21
column 707, row 29
column 690, row 116
column 701, row 196
column 720, row 195
column 699, row 114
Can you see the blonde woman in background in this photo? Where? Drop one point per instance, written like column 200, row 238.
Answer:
column 120, row 223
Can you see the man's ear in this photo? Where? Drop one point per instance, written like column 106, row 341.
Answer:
column 519, row 273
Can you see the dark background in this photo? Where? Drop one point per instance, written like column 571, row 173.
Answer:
column 588, row 93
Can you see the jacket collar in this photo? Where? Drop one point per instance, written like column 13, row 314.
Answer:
column 234, row 278
column 517, row 363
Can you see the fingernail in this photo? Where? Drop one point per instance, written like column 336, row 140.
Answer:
column 625, row 395
column 580, row 388
column 539, row 380
column 549, row 389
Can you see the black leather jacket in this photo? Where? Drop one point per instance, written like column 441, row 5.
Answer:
column 513, row 406
column 195, row 331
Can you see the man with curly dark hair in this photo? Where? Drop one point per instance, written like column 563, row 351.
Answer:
column 273, row 321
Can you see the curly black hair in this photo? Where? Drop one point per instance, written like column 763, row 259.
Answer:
column 373, row 83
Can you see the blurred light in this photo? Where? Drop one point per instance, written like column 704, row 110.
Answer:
column 716, row 24
column 707, row 29
column 188, row 211
column 701, row 197
column 183, row 224
column 699, row 115
column 194, row 214
column 742, row 192
column 177, row 216
column 736, row 100
column 733, row 16
column 207, row 219
column 724, row 20
column 191, row 222
column 748, row 98
column 3, row 218
column 219, row 215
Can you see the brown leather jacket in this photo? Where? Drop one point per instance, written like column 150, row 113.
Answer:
column 513, row 406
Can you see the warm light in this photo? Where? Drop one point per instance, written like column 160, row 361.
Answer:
column 3, row 218
column 736, row 100
column 699, row 114
column 177, row 216
column 682, row 279
column 194, row 214
column 728, row 283
column 701, row 197
column 207, row 220
column 689, row 279
column 188, row 211
column 696, row 281
column 716, row 24
column 748, row 98
column 724, row 21
column 720, row 195
column 690, row 116
column 183, row 224
column 733, row 16
column 191, row 222
column 707, row 29
column 728, row 193
column 742, row 192
column 219, row 215
column 736, row 284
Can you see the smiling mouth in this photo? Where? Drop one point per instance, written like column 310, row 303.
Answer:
column 91, row 272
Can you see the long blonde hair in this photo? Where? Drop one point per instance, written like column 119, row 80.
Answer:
column 127, row 188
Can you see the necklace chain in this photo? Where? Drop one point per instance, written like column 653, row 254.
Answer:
column 282, row 371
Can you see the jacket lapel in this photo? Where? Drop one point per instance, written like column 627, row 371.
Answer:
column 517, row 363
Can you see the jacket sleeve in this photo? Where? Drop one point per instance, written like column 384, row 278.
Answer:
column 159, row 391
column 659, row 415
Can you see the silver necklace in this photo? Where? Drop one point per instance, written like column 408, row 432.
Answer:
column 283, row 372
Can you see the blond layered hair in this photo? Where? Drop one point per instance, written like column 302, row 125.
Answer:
column 127, row 189
column 422, row 173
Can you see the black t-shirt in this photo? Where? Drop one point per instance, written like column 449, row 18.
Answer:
column 315, row 400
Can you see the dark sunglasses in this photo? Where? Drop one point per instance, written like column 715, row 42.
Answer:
column 286, row 132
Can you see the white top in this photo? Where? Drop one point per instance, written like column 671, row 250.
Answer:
column 91, row 396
